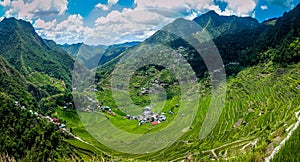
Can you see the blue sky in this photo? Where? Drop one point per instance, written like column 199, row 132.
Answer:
column 115, row 21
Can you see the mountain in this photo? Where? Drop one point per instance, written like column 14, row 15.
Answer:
column 92, row 56
column 24, row 136
column 262, row 96
column 238, row 39
column 217, row 25
column 207, row 28
column 14, row 84
column 280, row 36
column 83, row 51
column 286, row 27
column 28, row 65
column 23, row 48
column 260, row 110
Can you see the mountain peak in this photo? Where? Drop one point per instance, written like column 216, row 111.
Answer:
column 211, row 13
column 13, row 21
column 216, row 24
column 20, row 29
column 12, row 24
column 9, row 19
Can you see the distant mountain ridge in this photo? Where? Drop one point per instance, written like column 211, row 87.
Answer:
column 217, row 25
column 211, row 23
column 238, row 39
column 92, row 56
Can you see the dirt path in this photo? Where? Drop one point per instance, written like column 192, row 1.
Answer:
column 276, row 150
column 81, row 140
column 238, row 142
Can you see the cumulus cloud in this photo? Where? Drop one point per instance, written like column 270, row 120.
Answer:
column 238, row 7
column 34, row 8
column 150, row 15
column 117, row 26
column 126, row 25
column 264, row 7
column 178, row 5
column 234, row 7
column 5, row 3
column 71, row 30
column 42, row 25
column 112, row 2
column 104, row 7
column 144, row 20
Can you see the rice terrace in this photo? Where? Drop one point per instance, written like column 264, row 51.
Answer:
column 150, row 80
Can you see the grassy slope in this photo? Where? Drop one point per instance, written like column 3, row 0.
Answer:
column 41, row 79
column 290, row 151
column 264, row 88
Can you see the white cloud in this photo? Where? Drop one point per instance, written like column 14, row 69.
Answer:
column 178, row 5
column 144, row 20
column 41, row 24
column 264, row 7
column 234, row 7
column 150, row 15
column 5, row 3
column 253, row 14
column 112, row 2
column 70, row 30
column 238, row 7
column 126, row 25
column 102, row 6
column 35, row 8
column 117, row 26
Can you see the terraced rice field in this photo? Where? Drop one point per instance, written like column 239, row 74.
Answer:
column 260, row 106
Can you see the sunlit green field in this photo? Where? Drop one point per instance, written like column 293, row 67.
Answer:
column 260, row 107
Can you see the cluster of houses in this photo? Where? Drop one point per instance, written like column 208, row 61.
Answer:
column 47, row 118
column 70, row 104
column 18, row 104
column 229, row 64
column 90, row 108
column 54, row 121
column 148, row 116
column 155, row 83
column 106, row 109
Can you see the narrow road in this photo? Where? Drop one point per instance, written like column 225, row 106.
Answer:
column 276, row 150
column 78, row 138
column 238, row 142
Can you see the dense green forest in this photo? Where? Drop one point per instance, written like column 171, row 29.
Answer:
column 25, row 137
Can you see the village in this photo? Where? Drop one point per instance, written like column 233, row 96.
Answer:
column 148, row 116
column 49, row 119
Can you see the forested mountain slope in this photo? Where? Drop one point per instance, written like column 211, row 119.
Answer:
column 23, row 48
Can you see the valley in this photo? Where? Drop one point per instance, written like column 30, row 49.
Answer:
column 245, row 110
